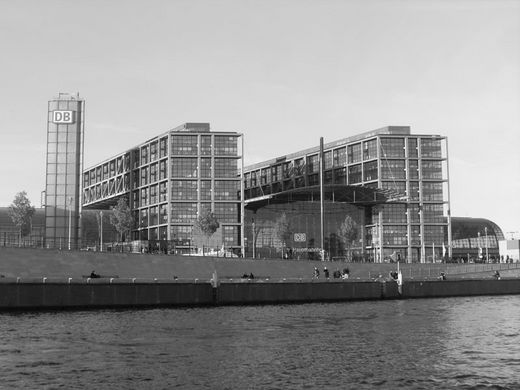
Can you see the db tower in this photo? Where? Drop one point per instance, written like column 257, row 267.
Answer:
column 65, row 130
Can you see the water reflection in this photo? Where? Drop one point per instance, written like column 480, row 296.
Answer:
column 429, row 343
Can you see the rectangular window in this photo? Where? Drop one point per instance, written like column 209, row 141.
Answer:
column 153, row 151
column 225, row 167
column 184, row 167
column 393, row 169
column 339, row 157
column 370, row 149
column 354, row 153
column 225, row 145
column 184, row 189
column 354, row 174
column 153, row 173
column 412, row 148
column 431, row 148
column 370, row 171
column 340, row 176
column 205, row 167
column 227, row 190
column 313, row 164
column 205, row 190
column 432, row 191
column 413, row 169
column 144, row 176
column 144, row 155
column 163, row 147
column 431, row 169
column 327, row 160
column 184, row 212
column 205, row 145
column 184, row 145
column 154, row 194
column 392, row 147
column 163, row 192
column 227, row 212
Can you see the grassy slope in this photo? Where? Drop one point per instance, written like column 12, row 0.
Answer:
column 22, row 262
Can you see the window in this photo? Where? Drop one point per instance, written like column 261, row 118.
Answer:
column 184, row 212
column 226, row 168
column 205, row 190
column 163, row 147
column 339, row 157
column 153, row 151
column 370, row 171
column 227, row 190
column 144, row 155
column 354, row 174
column 431, row 148
column 184, row 189
column 431, row 169
column 393, row 169
column 205, row 146
column 392, row 147
column 412, row 148
column 354, row 153
column 327, row 160
column 205, row 167
column 184, row 167
column 227, row 212
column 184, row 145
column 313, row 164
column 370, row 149
column 432, row 191
column 225, row 146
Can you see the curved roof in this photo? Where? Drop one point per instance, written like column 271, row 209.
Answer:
column 466, row 227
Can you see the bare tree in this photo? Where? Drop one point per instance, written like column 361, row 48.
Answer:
column 348, row 234
column 283, row 231
column 21, row 213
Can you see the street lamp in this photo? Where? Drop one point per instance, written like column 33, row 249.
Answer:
column 70, row 219
column 101, row 230
column 487, row 253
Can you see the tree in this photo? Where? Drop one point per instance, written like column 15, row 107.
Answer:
column 282, row 230
column 348, row 234
column 21, row 212
column 121, row 217
column 206, row 224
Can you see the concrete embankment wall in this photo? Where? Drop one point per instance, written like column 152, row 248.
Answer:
column 76, row 293
column 97, row 293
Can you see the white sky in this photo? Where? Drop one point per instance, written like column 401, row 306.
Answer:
column 282, row 72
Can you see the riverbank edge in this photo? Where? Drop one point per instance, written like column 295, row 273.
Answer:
column 64, row 294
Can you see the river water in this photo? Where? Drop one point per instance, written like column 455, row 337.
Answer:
column 449, row 343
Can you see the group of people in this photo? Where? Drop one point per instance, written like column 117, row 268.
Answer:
column 345, row 274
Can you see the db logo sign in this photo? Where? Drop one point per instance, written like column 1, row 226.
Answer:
column 300, row 237
column 63, row 116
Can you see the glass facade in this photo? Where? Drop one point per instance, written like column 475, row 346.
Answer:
column 64, row 164
column 173, row 178
column 412, row 225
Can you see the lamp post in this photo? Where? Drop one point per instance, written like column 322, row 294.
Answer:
column 101, row 230
column 70, row 220
column 487, row 250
